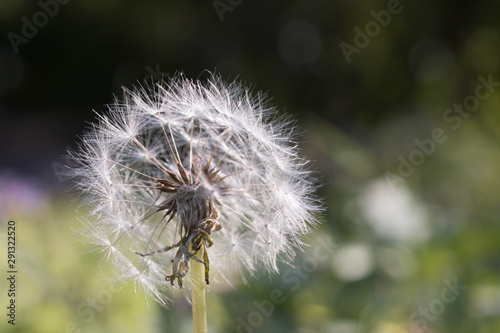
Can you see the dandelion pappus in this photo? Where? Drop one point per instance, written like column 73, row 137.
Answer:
column 187, row 166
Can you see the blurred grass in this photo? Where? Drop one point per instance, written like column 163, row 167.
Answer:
column 375, row 288
column 59, row 288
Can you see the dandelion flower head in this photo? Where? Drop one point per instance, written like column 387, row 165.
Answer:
column 183, row 166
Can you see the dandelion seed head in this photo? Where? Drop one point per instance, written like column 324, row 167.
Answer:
column 184, row 165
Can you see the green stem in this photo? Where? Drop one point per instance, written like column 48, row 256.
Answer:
column 198, row 294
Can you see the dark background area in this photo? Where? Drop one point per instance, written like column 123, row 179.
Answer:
column 81, row 57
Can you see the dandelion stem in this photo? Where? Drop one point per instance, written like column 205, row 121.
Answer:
column 198, row 294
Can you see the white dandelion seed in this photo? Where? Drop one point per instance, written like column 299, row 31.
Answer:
column 187, row 166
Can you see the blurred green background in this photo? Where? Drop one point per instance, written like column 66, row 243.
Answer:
column 404, row 133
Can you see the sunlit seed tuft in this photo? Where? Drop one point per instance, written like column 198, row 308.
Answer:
column 185, row 166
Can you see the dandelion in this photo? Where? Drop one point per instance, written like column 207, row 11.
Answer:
column 187, row 177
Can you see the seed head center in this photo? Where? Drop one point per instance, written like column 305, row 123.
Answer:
column 192, row 191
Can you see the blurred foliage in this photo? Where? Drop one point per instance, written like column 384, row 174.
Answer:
column 399, row 239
